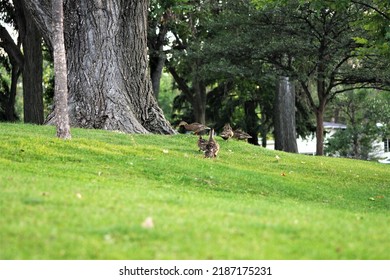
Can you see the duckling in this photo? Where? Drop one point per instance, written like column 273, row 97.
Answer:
column 202, row 143
column 227, row 132
column 212, row 147
column 194, row 127
column 241, row 135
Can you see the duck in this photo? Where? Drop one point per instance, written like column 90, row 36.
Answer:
column 227, row 132
column 212, row 147
column 241, row 135
column 202, row 143
column 194, row 127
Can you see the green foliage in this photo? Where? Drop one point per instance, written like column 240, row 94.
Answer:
column 167, row 95
column 87, row 199
column 361, row 111
column 48, row 80
column 5, row 82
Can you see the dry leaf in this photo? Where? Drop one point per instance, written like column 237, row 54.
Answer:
column 148, row 223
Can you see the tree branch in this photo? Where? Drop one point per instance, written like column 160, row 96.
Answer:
column 8, row 44
column 373, row 8
column 308, row 95
column 180, row 82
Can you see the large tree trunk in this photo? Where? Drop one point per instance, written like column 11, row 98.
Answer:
column 32, row 71
column 108, row 78
column 284, row 118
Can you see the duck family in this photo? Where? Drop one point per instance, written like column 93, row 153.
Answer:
column 210, row 146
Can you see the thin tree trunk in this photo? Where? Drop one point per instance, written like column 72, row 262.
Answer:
column 320, row 131
column 60, row 70
column 263, row 130
column 10, row 113
column 251, row 121
column 156, row 69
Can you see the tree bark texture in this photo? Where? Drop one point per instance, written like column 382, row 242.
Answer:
column 32, row 71
column 108, row 78
column 60, row 71
column 284, row 119
column 199, row 100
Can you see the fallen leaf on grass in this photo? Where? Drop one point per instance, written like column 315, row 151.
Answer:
column 148, row 223
column 373, row 198
column 108, row 238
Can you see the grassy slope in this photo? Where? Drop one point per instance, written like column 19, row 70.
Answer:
column 87, row 199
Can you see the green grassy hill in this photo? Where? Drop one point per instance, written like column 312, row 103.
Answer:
column 88, row 198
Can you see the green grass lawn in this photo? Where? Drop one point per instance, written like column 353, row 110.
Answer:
column 88, row 198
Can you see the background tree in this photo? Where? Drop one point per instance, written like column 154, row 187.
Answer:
column 313, row 42
column 13, row 63
column 239, row 62
column 108, row 77
column 366, row 114
column 25, row 56
column 32, row 68
column 160, row 20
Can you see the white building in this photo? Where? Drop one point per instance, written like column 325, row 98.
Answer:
column 308, row 146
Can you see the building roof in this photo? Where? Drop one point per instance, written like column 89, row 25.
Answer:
column 334, row 125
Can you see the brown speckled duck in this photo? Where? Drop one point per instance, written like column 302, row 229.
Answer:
column 212, row 147
column 227, row 132
column 241, row 135
column 194, row 127
column 202, row 143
